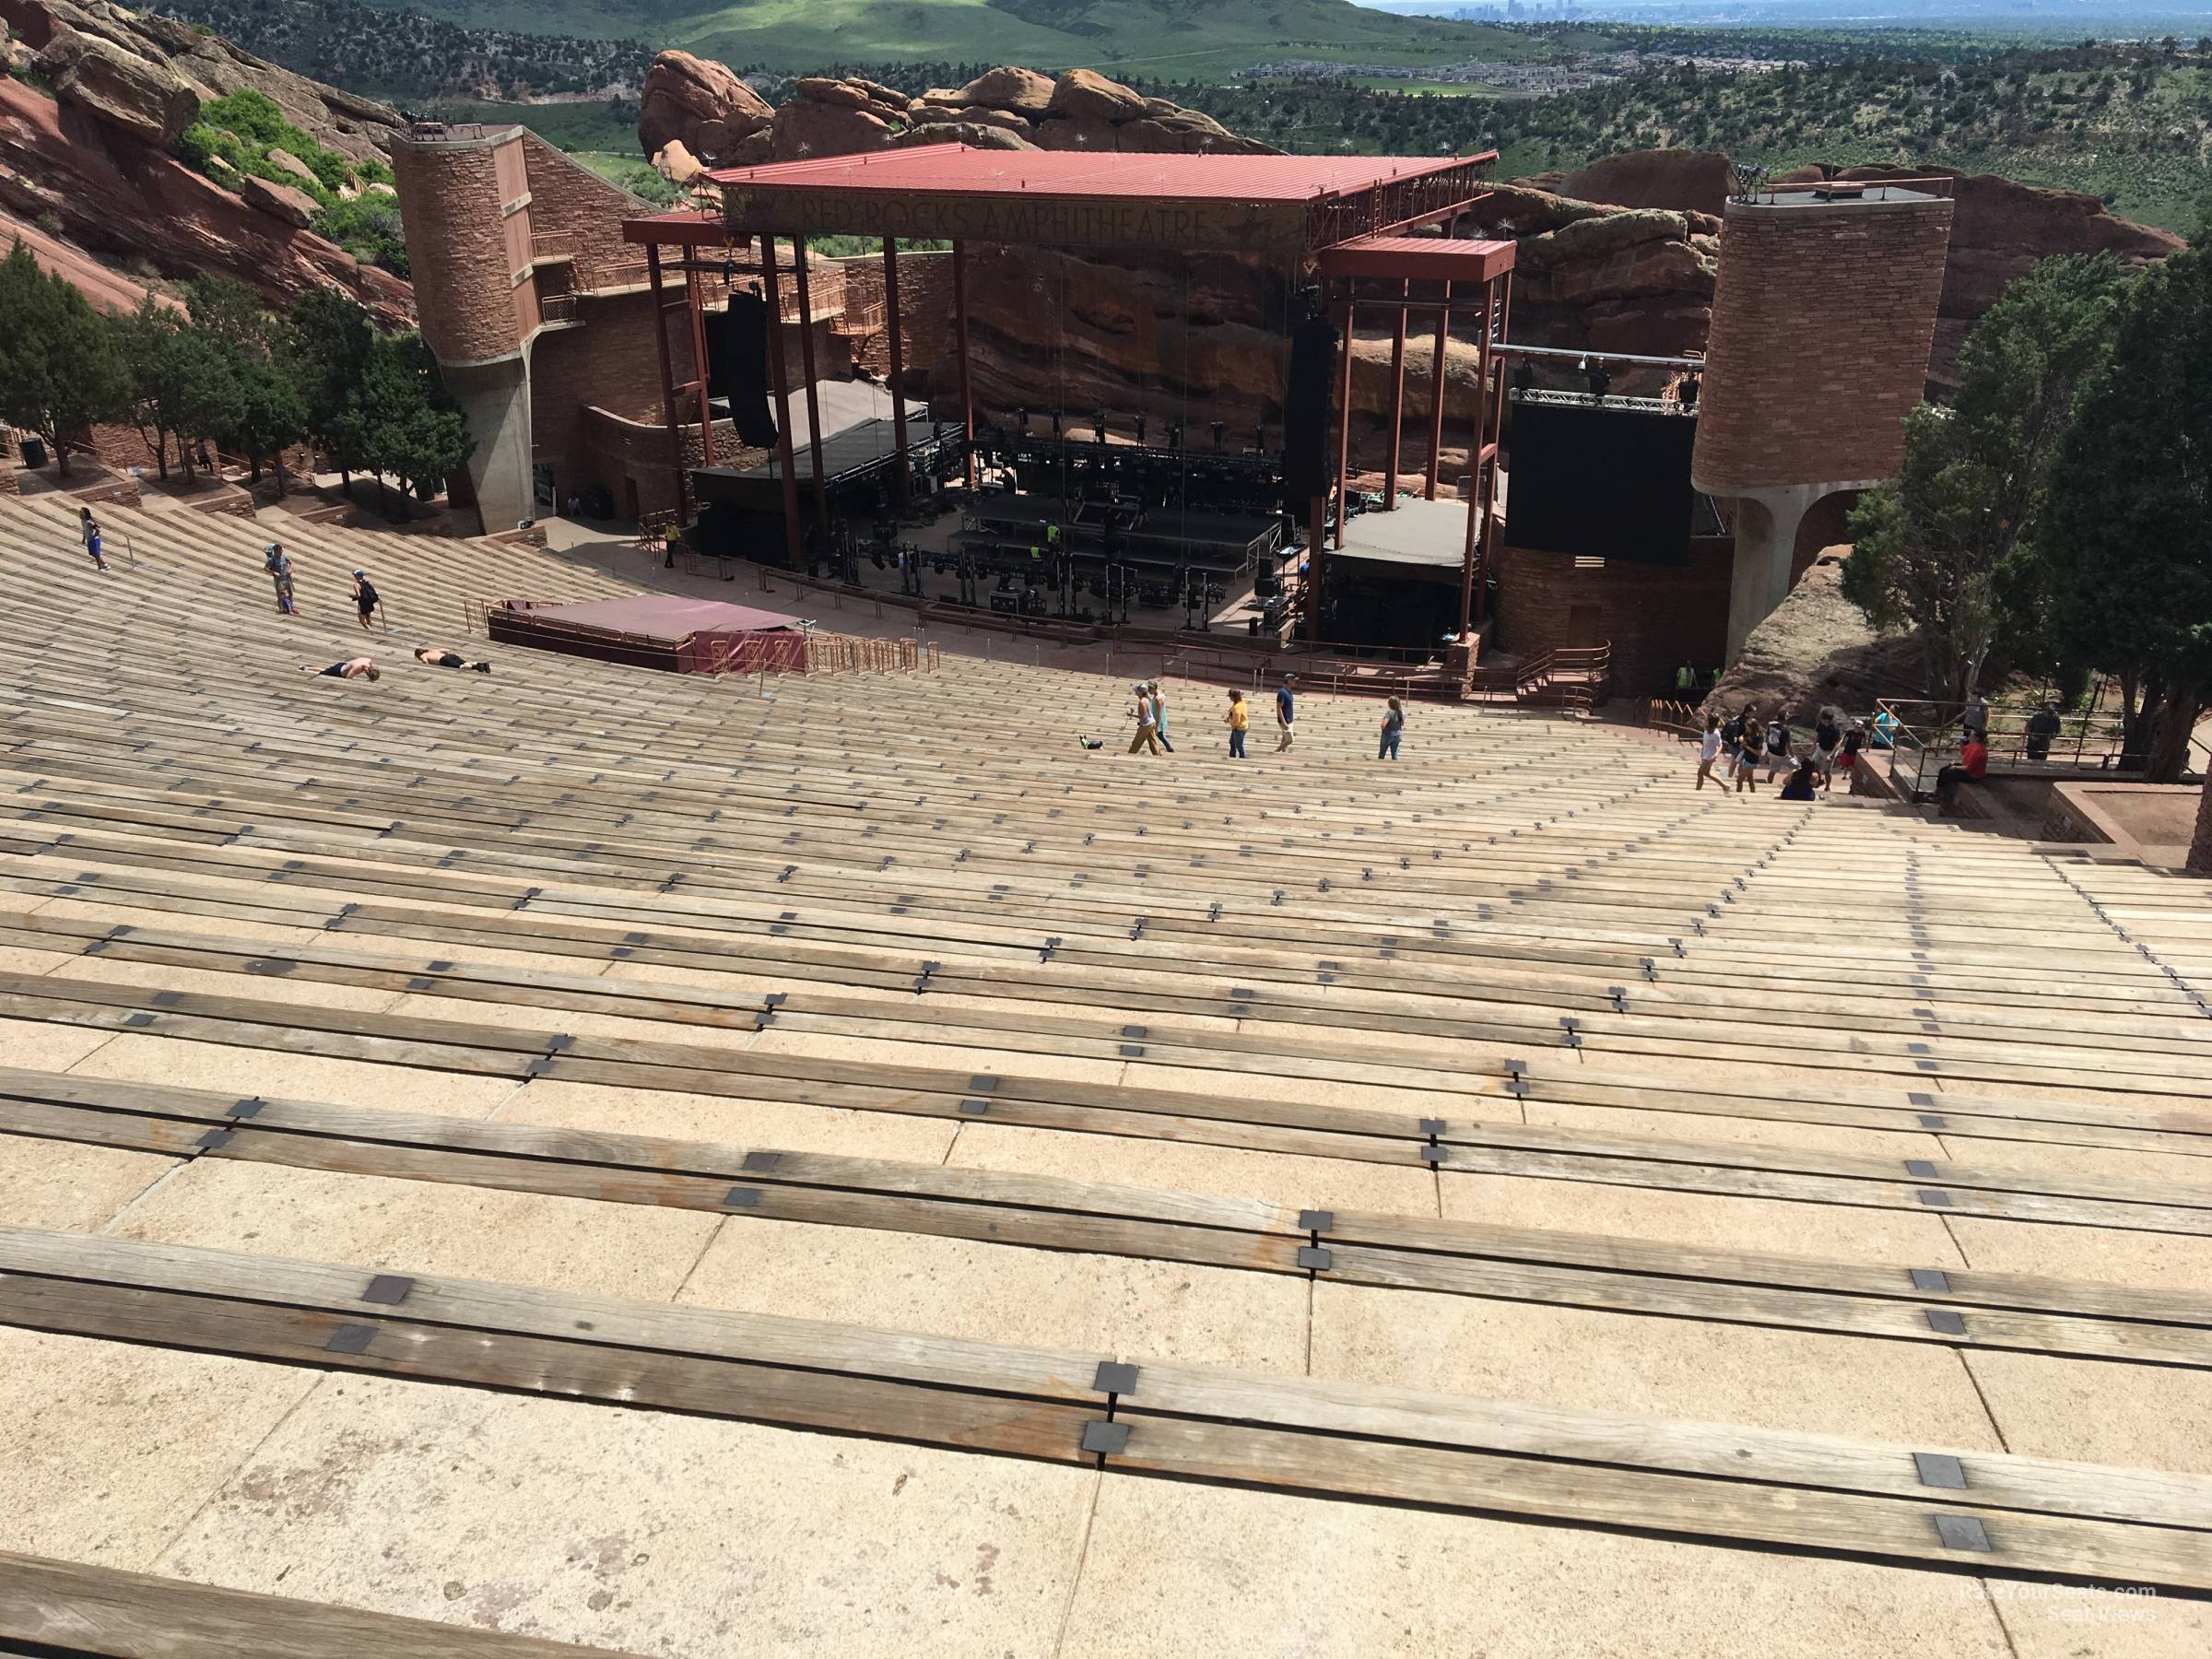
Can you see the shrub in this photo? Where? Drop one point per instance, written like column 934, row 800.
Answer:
column 368, row 228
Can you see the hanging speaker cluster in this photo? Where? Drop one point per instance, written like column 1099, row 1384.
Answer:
column 737, row 367
column 1306, row 411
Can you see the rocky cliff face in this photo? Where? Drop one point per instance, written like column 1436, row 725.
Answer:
column 141, row 73
column 96, row 155
column 696, row 111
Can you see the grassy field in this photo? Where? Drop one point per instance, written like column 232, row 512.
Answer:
column 1200, row 39
column 576, row 127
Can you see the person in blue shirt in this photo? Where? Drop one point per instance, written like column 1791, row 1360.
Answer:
column 1286, row 711
column 1394, row 727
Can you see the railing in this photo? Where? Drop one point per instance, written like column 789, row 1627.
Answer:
column 553, row 244
column 1572, row 676
column 1924, row 733
column 557, row 308
column 1680, row 718
column 859, row 321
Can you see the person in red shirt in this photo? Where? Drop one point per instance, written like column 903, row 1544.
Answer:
column 1972, row 766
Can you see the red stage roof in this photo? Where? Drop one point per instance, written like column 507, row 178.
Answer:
column 1098, row 198
column 1421, row 258
column 1280, row 180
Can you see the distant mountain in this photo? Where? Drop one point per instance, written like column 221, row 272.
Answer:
column 1184, row 37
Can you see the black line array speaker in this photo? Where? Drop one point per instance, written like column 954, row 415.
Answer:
column 1306, row 412
column 737, row 367
column 1601, row 480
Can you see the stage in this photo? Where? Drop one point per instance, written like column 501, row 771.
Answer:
column 1415, row 534
column 654, row 630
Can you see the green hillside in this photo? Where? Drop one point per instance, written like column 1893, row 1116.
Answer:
column 1198, row 39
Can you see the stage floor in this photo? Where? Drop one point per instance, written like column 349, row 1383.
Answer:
column 1425, row 534
column 664, row 619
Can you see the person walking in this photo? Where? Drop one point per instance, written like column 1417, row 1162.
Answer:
column 1753, row 751
column 1159, row 716
column 1732, row 738
column 2042, row 726
column 1780, row 748
column 1827, row 738
column 1148, row 737
column 1286, row 711
column 1393, row 728
column 88, row 528
column 278, row 564
column 1709, row 750
column 364, row 596
column 1238, row 719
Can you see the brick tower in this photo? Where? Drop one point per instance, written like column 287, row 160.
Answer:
column 1822, row 319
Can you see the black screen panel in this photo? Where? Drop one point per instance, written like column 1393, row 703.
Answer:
column 1607, row 482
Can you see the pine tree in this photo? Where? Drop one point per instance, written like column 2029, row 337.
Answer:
column 61, row 366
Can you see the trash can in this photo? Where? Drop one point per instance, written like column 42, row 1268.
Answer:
column 34, row 453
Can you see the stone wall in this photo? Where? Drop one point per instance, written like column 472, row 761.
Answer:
column 449, row 197
column 1656, row 617
column 926, row 320
column 1822, row 322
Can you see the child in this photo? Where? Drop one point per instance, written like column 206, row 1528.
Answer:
column 364, row 598
column 1709, row 749
column 88, row 528
column 278, row 564
column 1239, row 721
column 1394, row 727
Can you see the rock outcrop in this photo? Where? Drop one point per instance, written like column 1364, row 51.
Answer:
column 721, row 122
column 118, row 196
column 163, row 52
column 293, row 206
column 139, row 96
column 1998, row 229
column 697, row 103
column 1689, row 181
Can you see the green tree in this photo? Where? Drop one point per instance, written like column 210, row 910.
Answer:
column 324, row 348
column 2126, row 539
column 264, row 413
column 1931, row 547
column 229, row 313
column 62, row 366
column 400, row 419
column 181, row 381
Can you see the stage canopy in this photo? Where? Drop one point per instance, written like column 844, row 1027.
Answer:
column 1079, row 199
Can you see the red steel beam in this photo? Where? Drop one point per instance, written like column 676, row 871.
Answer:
column 779, row 371
column 676, row 428
column 1397, row 405
column 814, row 406
column 959, row 320
column 890, row 324
column 1436, row 397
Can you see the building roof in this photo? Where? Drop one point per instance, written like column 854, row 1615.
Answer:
column 1078, row 197
column 1421, row 258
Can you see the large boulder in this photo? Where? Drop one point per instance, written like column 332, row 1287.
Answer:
column 294, row 207
column 1076, row 132
column 1084, row 94
column 700, row 103
column 210, row 67
column 284, row 161
column 805, row 127
column 142, row 96
column 1687, row 181
column 678, row 164
column 1020, row 91
column 975, row 134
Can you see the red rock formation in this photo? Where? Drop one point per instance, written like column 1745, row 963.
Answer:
column 118, row 197
column 698, row 103
column 172, row 54
column 1695, row 181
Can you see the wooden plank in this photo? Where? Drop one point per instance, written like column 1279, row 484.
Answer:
column 118, row 1615
column 1334, row 1448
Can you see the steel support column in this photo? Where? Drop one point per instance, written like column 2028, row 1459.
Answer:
column 675, row 427
column 890, row 325
column 1397, row 399
column 779, row 374
column 814, row 406
column 1344, row 410
column 959, row 322
column 1436, row 397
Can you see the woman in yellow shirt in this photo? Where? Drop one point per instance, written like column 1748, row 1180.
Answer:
column 1239, row 721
